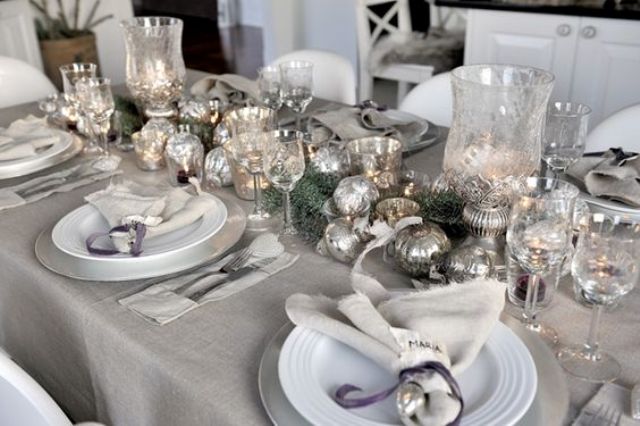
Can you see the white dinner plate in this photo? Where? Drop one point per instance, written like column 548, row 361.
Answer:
column 71, row 232
column 68, row 146
column 616, row 208
column 497, row 388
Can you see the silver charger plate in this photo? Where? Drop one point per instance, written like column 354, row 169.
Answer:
column 26, row 167
column 549, row 407
column 62, row 263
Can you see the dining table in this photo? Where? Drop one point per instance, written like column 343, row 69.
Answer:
column 100, row 361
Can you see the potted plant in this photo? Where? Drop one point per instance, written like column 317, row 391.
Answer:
column 63, row 38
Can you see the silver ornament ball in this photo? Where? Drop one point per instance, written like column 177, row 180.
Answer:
column 418, row 247
column 216, row 168
column 465, row 263
column 355, row 195
column 341, row 240
column 331, row 160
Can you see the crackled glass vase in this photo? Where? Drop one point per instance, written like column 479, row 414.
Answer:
column 495, row 138
column 155, row 67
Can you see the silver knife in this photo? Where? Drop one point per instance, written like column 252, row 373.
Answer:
column 231, row 277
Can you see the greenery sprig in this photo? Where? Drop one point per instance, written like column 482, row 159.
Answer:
column 307, row 199
column 63, row 26
column 131, row 119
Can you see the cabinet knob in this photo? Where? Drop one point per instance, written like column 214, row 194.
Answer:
column 563, row 30
column 589, row 32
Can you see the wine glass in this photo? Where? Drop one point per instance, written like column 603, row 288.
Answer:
column 564, row 135
column 71, row 74
column 606, row 268
column 283, row 163
column 269, row 87
column 96, row 101
column 248, row 128
column 297, row 83
column 538, row 237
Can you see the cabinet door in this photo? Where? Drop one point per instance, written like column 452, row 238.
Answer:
column 18, row 33
column 530, row 39
column 607, row 69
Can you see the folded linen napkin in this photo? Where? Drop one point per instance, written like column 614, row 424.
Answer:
column 160, row 210
column 446, row 325
column 161, row 304
column 354, row 122
column 23, row 138
column 614, row 175
column 43, row 186
column 613, row 397
column 231, row 89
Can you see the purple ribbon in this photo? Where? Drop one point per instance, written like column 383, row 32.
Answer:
column 136, row 247
column 406, row 376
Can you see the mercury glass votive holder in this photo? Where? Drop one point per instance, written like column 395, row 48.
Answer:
column 392, row 210
column 149, row 151
column 378, row 158
column 243, row 180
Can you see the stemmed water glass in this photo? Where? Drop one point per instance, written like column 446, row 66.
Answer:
column 565, row 134
column 269, row 87
column 248, row 128
column 71, row 74
column 605, row 266
column 96, row 101
column 538, row 237
column 283, row 160
column 297, row 84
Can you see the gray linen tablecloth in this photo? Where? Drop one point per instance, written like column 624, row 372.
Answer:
column 102, row 362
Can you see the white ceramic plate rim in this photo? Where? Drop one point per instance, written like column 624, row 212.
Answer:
column 397, row 114
column 505, row 406
column 62, row 145
column 207, row 226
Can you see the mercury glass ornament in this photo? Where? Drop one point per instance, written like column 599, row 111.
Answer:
column 355, row 195
column 184, row 155
column 465, row 263
column 196, row 111
column 418, row 247
column 331, row 159
column 342, row 241
column 216, row 168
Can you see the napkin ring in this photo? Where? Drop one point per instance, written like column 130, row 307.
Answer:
column 135, row 231
column 406, row 376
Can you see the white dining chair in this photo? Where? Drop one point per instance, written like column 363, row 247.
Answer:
column 24, row 402
column 21, row 83
column 432, row 100
column 334, row 78
column 371, row 26
column 18, row 32
column 619, row 130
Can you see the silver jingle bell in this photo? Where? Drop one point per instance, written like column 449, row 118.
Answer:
column 410, row 400
column 342, row 241
column 418, row 247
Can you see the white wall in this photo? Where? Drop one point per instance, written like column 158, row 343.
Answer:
column 309, row 24
column 251, row 12
column 110, row 41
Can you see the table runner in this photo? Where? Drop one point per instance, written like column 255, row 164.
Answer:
column 101, row 362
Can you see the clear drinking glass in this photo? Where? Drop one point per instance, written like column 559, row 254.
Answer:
column 297, row 84
column 606, row 267
column 565, row 134
column 283, row 162
column 96, row 102
column 538, row 237
column 71, row 74
column 248, row 128
column 269, row 87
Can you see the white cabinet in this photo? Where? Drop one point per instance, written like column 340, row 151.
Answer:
column 596, row 61
column 607, row 66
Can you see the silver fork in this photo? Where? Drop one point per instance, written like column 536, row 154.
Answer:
column 84, row 171
column 605, row 416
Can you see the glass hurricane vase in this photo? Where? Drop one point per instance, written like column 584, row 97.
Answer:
column 155, row 67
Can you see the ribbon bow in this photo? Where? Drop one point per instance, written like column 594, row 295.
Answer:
column 136, row 230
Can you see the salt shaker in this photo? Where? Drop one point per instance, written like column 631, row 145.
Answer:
column 184, row 156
